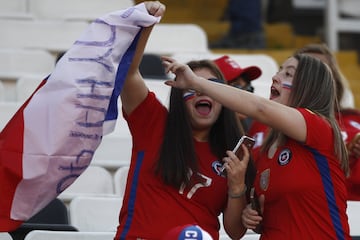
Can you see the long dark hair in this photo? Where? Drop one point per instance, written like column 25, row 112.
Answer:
column 313, row 87
column 177, row 154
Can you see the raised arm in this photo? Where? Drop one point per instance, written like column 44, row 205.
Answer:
column 134, row 90
column 271, row 113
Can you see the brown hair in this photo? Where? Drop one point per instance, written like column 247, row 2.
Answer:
column 340, row 81
column 313, row 87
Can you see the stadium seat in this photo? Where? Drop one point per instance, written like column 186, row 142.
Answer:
column 171, row 38
column 17, row 62
column 113, row 152
column 266, row 63
column 95, row 214
column 222, row 233
column 26, row 85
column 353, row 212
column 53, row 217
column 341, row 16
column 120, row 178
column 13, row 8
column 161, row 90
column 87, row 10
column 56, row 235
column 46, row 35
column 5, row 236
column 7, row 110
column 251, row 237
column 94, row 181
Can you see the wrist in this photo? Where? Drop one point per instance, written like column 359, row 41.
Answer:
column 238, row 194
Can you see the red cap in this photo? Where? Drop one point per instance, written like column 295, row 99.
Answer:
column 232, row 70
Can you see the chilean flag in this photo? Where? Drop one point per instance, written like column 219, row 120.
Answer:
column 51, row 139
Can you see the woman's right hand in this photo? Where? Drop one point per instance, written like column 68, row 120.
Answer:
column 185, row 77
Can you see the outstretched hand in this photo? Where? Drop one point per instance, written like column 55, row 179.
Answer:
column 185, row 77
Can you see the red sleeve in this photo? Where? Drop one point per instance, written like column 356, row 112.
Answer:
column 147, row 120
column 319, row 133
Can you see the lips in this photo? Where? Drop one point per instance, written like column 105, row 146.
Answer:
column 274, row 93
column 203, row 107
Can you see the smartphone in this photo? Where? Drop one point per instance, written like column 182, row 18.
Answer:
column 256, row 206
column 253, row 200
column 249, row 143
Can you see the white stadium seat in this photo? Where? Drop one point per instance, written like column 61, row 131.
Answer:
column 26, row 85
column 95, row 214
column 54, row 36
column 94, row 181
column 7, row 110
column 353, row 212
column 120, row 178
column 75, row 9
column 5, row 236
column 113, row 152
column 171, row 38
column 13, row 7
column 17, row 62
column 61, row 235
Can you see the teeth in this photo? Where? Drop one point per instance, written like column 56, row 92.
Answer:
column 203, row 103
column 274, row 91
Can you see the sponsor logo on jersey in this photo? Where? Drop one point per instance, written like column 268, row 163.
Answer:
column 355, row 124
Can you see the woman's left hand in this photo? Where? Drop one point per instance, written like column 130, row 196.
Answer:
column 236, row 170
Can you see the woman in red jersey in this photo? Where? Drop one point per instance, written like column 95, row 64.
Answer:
column 348, row 118
column 302, row 167
column 174, row 177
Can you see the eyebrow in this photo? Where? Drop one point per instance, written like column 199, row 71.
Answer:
column 288, row 67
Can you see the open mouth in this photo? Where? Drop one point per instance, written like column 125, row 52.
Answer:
column 274, row 93
column 203, row 107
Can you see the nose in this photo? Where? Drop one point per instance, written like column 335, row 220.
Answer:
column 275, row 78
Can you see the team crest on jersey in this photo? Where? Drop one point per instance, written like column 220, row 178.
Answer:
column 284, row 157
column 216, row 166
column 355, row 124
column 265, row 179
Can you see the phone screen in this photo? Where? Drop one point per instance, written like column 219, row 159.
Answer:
column 249, row 143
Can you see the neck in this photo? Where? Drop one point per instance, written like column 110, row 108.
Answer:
column 201, row 135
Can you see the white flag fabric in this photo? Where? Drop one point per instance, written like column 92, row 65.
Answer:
column 52, row 138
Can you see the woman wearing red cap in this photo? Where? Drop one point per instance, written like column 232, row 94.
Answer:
column 238, row 77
